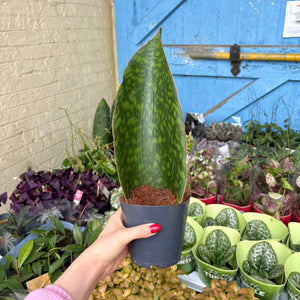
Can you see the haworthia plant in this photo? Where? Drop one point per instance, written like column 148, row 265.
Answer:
column 102, row 123
column 195, row 209
column 217, row 249
column 294, row 278
column 262, row 264
column 189, row 238
column 256, row 230
column 226, row 217
column 148, row 124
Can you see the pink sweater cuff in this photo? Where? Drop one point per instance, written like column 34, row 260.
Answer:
column 50, row 292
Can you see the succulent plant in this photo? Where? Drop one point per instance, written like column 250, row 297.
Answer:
column 189, row 238
column 294, row 278
column 223, row 131
column 256, row 230
column 262, row 264
column 217, row 250
column 226, row 217
column 220, row 289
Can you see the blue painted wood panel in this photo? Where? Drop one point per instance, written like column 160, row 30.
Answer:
column 266, row 91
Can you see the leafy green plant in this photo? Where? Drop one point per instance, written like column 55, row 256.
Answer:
column 262, row 264
column 201, row 176
column 148, row 125
column 294, row 278
column 223, row 131
column 226, row 217
column 217, row 250
column 189, row 238
column 195, row 209
column 52, row 251
column 256, row 230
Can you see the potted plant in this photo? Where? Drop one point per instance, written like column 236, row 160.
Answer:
column 215, row 254
column 192, row 234
column 196, row 209
column 222, row 215
column 264, row 227
column 150, row 153
column 201, row 176
column 235, row 185
column 274, row 193
column 261, row 266
column 293, row 241
column 292, row 273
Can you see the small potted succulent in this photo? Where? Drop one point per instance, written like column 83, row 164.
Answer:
column 150, row 153
column 264, row 227
column 223, row 215
column 196, row 209
column 201, row 176
column 215, row 254
column 261, row 266
column 292, row 273
column 235, row 185
column 274, row 193
column 192, row 234
column 293, row 241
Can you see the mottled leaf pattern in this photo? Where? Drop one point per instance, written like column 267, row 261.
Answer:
column 294, row 278
column 195, row 209
column 217, row 249
column 148, row 124
column 189, row 238
column 227, row 217
column 256, row 230
column 262, row 264
column 209, row 221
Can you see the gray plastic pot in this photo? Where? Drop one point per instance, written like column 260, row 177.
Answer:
column 164, row 248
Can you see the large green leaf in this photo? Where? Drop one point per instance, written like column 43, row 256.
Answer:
column 148, row 125
column 25, row 252
column 256, row 230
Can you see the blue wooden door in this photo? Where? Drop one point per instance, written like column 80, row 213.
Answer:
column 195, row 32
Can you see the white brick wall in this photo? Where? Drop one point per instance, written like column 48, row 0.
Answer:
column 53, row 54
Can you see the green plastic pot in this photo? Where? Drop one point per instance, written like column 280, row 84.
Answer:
column 202, row 205
column 279, row 231
column 208, row 272
column 187, row 261
column 213, row 210
column 262, row 290
column 294, row 236
column 292, row 264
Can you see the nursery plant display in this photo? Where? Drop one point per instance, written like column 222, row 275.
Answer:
column 263, row 227
column 51, row 250
column 196, row 209
column 201, row 176
column 274, row 193
column 261, row 266
column 215, row 253
column 150, row 152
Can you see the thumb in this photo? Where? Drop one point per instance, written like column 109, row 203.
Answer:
column 141, row 231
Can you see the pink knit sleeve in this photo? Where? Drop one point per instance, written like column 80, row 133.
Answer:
column 50, row 292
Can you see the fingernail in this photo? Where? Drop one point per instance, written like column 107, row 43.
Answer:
column 155, row 228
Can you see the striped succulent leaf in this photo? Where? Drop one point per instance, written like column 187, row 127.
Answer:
column 262, row 264
column 148, row 124
column 227, row 217
column 195, row 209
column 189, row 238
column 217, row 249
column 256, row 230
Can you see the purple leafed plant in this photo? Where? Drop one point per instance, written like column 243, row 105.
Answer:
column 43, row 189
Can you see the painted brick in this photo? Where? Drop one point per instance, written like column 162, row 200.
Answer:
column 54, row 55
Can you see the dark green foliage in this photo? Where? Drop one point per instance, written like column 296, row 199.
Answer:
column 217, row 250
column 148, row 125
column 52, row 251
column 102, row 123
column 189, row 238
column 227, row 217
column 294, row 278
column 262, row 264
column 256, row 230
column 195, row 209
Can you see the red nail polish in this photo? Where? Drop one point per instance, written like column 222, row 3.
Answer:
column 155, row 228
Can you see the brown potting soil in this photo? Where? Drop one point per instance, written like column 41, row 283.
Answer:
column 148, row 195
